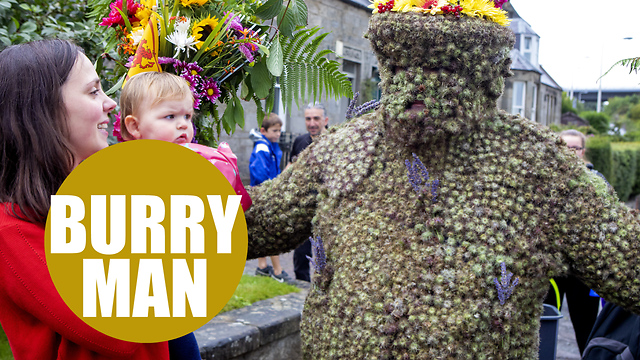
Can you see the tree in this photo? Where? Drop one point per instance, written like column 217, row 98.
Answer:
column 599, row 121
column 22, row 22
column 567, row 104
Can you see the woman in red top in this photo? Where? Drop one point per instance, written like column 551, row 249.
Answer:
column 53, row 115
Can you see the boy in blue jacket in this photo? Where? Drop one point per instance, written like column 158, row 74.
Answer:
column 264, row 165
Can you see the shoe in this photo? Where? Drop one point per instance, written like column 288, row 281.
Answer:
column 264, row 272
column 283, row 277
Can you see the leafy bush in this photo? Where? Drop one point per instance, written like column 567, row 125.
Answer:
column 599, row 153
column 26, row 21
column 567, row 104
column 625, row 161
column 599, row 121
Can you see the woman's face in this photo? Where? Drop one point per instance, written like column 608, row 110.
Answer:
column 87, row 109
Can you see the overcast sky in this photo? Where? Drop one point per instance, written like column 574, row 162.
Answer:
column 575, row 35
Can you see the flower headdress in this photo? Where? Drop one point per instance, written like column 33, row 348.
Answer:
column 224, row 50
column 487, row 9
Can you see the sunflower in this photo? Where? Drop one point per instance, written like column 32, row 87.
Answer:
column 186, row 3
column 202, row 29
column 486, row 9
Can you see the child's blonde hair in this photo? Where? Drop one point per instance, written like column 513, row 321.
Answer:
column 158, row 86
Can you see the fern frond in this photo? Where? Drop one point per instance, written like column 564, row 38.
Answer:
column 632, row 63
column 308, row 73
column 311, row 47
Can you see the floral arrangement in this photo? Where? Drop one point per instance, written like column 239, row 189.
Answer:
column 487, row 9
column 227, row 51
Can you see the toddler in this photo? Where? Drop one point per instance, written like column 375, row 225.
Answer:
column 159, row 106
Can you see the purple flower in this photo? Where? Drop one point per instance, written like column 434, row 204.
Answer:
column 246, row 51
column 193, row 68
column 195, row 131
column 499, row 3
column 233, row 21
column 210, row 89
column 165, row 60
column 505, row 287
column 319, row 260
column 419, row 178
column 193, row 79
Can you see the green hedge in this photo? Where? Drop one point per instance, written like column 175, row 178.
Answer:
column 625, row 164
column 599, row 153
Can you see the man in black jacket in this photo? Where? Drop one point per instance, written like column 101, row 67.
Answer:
column 316, row 120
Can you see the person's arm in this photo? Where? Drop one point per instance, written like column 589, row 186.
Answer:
column 600, row 238
column 26, row 280
column 280, row 218
column 259, row 165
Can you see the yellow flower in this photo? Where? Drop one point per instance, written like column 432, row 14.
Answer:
column 202, row 29
column 486, row 9
column 191, row 2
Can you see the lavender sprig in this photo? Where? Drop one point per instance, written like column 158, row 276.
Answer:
column 319, row 260
column 419, row 178
column 353, row 111
column 505, row 287
column 352, row 106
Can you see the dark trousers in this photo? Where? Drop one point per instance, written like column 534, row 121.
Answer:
column 300, row 261
column 583, row 308
column 184, row 348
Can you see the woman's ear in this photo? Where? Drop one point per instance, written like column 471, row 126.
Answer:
column 133, row 127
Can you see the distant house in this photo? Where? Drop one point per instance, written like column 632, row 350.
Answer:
column 570, row 118
column 531, row 91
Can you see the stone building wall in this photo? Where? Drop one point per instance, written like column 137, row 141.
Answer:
column 347, row 24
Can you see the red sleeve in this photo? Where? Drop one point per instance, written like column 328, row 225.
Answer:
column 28, row 284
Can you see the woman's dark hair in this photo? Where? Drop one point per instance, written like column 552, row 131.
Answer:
column 36, row 155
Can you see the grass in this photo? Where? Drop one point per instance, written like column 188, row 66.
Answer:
column 5, row 350
column 250, row 290
column 256, row 288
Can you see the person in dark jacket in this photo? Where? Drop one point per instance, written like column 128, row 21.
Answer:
column 316, row 120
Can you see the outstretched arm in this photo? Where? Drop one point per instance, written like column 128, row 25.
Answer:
column 602, row 241
column 282, row 212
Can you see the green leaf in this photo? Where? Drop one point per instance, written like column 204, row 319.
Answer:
column 115, row 87
column 292, row 16
column 238, row 113
column 259, row 112
column 124, row 16
column 274, row 61
column 269, row 9
column 28, row 27
column 227, row 118
column 22, row 6
column 245, row 89
column 260, row 79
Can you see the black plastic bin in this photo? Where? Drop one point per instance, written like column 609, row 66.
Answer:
column 549, row 322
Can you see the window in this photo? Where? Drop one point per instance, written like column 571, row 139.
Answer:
column 527, row 47
column 352, row 70
column 519, row 93
column 534, row 103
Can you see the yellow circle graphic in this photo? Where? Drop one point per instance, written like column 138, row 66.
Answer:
column 146, row 241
